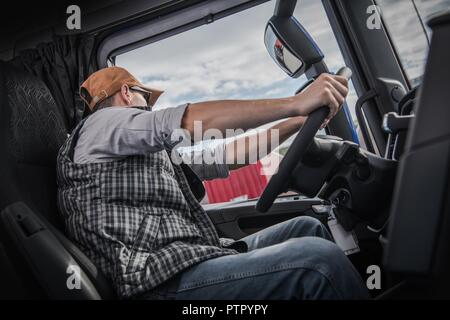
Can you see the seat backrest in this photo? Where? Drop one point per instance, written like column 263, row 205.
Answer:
column 419, row 235
column 31, row 132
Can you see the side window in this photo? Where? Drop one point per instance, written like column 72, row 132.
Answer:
column 228, row 60
column 406, row 21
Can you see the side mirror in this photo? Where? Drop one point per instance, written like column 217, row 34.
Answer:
column 288, row 43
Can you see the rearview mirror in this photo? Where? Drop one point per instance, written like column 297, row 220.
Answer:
column 288, row 43
column 285, row 59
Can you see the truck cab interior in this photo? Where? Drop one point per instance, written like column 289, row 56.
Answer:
column 381, row 168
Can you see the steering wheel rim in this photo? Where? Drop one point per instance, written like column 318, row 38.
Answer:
column 295, row 153
column 291, row 159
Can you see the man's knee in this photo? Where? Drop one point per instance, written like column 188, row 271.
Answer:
column 308, row 221
column 316, row 250
column 308, row 226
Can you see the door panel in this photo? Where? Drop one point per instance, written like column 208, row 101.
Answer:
column 239, row 219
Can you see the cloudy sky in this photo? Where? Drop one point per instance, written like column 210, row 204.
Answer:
column 227, row 59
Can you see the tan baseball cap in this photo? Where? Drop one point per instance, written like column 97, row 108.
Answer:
column 106, row 82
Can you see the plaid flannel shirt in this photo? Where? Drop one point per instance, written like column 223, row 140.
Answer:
column 136, row 218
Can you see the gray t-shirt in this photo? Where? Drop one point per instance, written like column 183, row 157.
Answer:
column 116, row 132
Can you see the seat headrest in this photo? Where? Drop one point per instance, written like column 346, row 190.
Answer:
column 35, row 123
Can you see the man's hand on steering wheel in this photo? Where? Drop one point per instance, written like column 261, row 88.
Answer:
column 327, row 90
column 320, row 101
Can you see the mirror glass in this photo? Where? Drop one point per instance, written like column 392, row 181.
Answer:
column 280, row 53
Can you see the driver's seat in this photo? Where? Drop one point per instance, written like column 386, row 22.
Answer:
column 36, row 259
column 419, row 237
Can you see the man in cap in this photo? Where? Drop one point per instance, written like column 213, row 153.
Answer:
column 135, row 211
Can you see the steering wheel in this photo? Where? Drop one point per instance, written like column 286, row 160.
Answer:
column 294, row 155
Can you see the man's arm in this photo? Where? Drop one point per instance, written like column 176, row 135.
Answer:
column 118, row 132
column 251, row 148
column 326, row 90
column 245, row 149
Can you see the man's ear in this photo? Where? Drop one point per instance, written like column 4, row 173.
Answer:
column 125, row 94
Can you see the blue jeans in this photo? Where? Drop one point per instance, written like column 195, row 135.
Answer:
column 294, row 259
